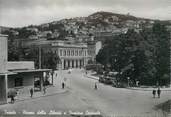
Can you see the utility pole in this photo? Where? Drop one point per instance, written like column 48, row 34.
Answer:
column 170, row 58
column 40, row 57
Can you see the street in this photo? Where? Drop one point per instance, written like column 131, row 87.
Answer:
column 81, row 96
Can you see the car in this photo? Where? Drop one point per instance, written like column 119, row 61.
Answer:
column 108, row 80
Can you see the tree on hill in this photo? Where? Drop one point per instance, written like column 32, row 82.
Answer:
column 13, row 51
column 162, row 53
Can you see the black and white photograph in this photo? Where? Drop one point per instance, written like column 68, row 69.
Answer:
column 85, row 58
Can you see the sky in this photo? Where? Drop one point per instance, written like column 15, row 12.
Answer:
column 19, row 13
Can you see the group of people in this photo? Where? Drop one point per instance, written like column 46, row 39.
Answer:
column 158, row 92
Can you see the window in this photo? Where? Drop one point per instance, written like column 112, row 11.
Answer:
column 56, row 51
column 80, row 53
column 18, row 82
column 64, row 52
column 68, row 52
column 76, row 53
column 72, row 53
column 60, row 52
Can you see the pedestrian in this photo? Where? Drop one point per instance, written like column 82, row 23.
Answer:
column 44, row 90
column 95, row 86
column 12, row 99
column 63, row 85
column 31, row 92
column 154, row 93
column 159, row 92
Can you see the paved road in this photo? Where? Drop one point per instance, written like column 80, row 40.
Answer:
column 110, row 100
column 82, row 96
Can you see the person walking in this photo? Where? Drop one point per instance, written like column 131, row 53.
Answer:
column 154, row 93
column 63, row 85
column 12, row 99
column 44, row 90
column 95, row 86
column 31, row 92
column 158, row 92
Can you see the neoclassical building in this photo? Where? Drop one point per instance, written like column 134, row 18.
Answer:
column 72, row 54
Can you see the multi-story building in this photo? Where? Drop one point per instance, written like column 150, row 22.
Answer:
column 72, row 54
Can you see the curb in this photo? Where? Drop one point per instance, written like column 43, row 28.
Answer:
column 92, row 77
column 146, row 89
column 128, row 88
column 46, row 95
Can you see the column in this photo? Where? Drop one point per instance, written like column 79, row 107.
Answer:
column 66, row 63
column 71, row 63
column 85, row 61
column 75, row 63
column 6, row 87
column 78, row 62
column 62, row 64
column 41, row 82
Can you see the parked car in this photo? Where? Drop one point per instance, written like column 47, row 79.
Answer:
column 101, row 78
column 108, row 78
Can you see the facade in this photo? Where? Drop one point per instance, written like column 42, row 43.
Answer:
column 72, row 54
column 25, row 76
column 3, row 51
column 3, row 69
column 91, row 51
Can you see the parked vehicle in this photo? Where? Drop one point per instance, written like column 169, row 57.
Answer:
column 101, row 78
column 108, row 78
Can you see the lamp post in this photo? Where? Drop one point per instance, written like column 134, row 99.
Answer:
column 40, row 57
column 128, row 80
column 170, row 59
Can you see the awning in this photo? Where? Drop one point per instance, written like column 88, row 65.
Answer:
column 30, row 70
column 7, row 73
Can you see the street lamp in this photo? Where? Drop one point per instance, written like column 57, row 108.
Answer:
column 128, row 80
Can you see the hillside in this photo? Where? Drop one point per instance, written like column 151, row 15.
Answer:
column 98, row 24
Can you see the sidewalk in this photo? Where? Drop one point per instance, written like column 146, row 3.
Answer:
column 50, row 91
column 89, row 75
column 148, row 89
